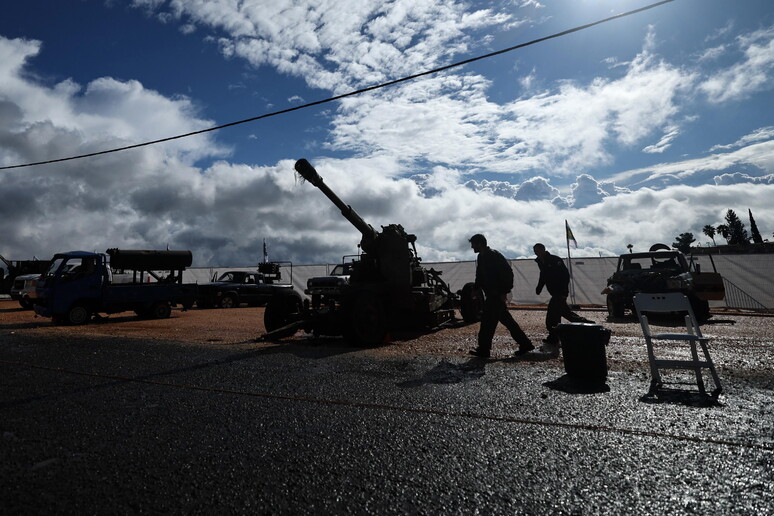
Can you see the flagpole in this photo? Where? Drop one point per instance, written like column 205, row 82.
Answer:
column 569, row 262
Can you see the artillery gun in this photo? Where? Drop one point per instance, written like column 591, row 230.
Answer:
column 388, row 288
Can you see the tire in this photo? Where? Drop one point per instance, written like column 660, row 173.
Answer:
column 615, row 307
column 160, row 310
column 281, row 311
column 471, row 303
column 229, row 301
column 78, row 314
column 25, row 303
column 366, row 320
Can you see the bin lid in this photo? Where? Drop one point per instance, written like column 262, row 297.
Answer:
column 580, row 324
column 578, row 327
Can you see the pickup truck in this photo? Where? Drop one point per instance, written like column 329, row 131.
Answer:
column 79, row 284
column 662, row 269
column 233, row 288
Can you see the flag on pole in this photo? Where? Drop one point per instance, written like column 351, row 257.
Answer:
column 265, row 252
column 570, row 236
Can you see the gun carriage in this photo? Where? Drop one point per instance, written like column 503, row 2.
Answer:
column 387, row 288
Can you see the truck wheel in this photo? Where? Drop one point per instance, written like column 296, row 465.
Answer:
column 615, row 307
column 367, row 321
column 281, row 311
column 25, row 303
column 78, row 314
column 229, row 301
column 161, row 310
column 471, row 303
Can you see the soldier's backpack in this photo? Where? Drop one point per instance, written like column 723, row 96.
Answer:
column 504, row 272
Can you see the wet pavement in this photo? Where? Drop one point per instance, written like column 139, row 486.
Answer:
column 192, row 415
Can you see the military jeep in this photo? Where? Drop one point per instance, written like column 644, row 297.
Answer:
column 661, row 270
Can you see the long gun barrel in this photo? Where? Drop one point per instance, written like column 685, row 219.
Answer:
column 308, row 172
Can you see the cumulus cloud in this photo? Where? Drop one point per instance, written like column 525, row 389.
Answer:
column 536, row 188
column 498, row 188
column 533, row 189
column 587, row 191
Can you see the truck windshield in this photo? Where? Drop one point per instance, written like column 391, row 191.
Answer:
column 232, row 277
column 54, row 267
column 68, row 266
column 652, row 262
column 341, row 270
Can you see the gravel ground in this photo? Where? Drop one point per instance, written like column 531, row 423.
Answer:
column 193, row 415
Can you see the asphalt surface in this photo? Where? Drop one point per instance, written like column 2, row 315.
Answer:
column 191, row 415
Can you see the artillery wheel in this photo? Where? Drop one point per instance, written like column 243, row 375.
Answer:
column 281, row 311
column 615, row 307
column 160, row 310
column 367, row 320
column 228, row 301
column 78, row 314
column 471, row 303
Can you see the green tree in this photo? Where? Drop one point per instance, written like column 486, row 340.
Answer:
column 737, row 235
column 683, row 243
column 756, row 235
column 710, row 232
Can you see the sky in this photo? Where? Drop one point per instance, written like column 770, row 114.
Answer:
column 633, row 131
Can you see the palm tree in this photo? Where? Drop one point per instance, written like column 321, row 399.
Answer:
column 724, row 231
column 710, row 232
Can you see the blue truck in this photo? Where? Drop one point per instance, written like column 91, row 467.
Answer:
column 79, row 284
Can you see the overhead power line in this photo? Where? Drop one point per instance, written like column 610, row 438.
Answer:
column 350, row 94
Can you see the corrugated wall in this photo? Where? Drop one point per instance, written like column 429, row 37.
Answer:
column 749, row 278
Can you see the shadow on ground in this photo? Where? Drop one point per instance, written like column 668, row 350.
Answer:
column 681, row 397
column 571, row 385
column 446, row 373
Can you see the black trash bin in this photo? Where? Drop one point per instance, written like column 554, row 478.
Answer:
column 583, row 348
